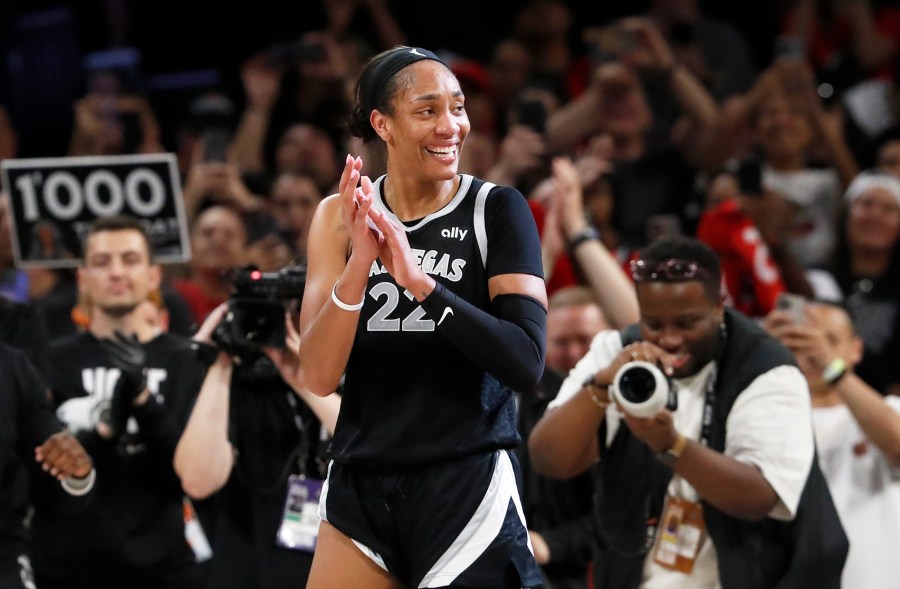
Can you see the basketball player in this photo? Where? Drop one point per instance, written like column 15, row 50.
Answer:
column 426, row 288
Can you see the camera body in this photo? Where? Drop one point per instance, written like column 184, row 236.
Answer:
column 642, row 390
column 256, row 308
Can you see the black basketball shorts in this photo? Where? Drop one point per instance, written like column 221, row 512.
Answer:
column 456, row 523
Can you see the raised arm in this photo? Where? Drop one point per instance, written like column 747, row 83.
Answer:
column 262, row 86
column 342, row 248
column 204, row 457
column 604, row 274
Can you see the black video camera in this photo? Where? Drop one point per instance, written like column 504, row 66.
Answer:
column 256, row 308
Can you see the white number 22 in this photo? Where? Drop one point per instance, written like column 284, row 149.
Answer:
column 379, row 320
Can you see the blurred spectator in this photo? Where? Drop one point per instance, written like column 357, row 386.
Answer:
column 293, row 201
column 712, row 49
column 573, row 319
column 857, row 439
column 124, row 389
column 304, row 82
column 866, row 267
column 350, row 18
column 559, row 512
column 566, row 232
column 652, row 184
column 543, row 26
column 509, row 69
column 33, row 437
column 210, row 183
column 307, row 149
column 889, row 157
column 747, row 231
column 846, row 41
column 206, row 135
column 218, row 245
column 790, row 126
column 109, row 121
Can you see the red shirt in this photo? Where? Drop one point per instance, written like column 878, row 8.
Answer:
column 752, row 278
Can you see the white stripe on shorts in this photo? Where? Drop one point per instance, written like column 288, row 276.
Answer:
column 482, row 528
column 323, row 500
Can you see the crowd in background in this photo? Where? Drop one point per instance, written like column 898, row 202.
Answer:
column 657, row 122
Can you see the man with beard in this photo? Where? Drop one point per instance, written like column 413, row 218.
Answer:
column 125, row 389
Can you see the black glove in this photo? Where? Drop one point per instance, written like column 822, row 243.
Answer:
column 126, row 354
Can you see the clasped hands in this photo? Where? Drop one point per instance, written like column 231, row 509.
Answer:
column 372, row 234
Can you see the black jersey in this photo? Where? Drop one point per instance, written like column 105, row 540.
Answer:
column 411, row 396
column 133, row 533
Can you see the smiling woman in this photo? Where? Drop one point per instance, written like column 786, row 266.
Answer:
column 425, row 288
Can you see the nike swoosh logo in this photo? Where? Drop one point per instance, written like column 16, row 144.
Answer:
column 415, row 52
column 447, row 311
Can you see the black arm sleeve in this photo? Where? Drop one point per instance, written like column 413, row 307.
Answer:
column 509, row 345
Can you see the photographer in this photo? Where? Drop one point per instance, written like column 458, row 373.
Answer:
column 732, row 476
column 249, row 441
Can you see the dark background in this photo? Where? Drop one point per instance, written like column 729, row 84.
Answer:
column 43, row 44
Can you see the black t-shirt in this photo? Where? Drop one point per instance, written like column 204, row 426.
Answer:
column 274, row 435
column 26, row 421
column 411, row 396
column 133, row 532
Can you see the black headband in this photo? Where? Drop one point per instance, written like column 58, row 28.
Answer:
column 389, row 65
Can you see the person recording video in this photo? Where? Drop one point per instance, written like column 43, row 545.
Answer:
column 732, row 465
column 256, row 439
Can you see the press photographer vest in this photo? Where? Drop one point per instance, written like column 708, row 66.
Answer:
column 631, row 485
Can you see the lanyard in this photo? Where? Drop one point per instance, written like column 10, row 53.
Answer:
column 302, row 442
column 709, row 404
column 297, row 456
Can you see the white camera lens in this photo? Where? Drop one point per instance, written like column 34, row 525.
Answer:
column 640, row 388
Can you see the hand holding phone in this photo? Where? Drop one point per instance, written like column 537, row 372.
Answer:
column 215, row 145
column 794, row 305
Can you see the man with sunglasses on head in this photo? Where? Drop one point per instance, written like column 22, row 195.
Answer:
column 722, row 489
